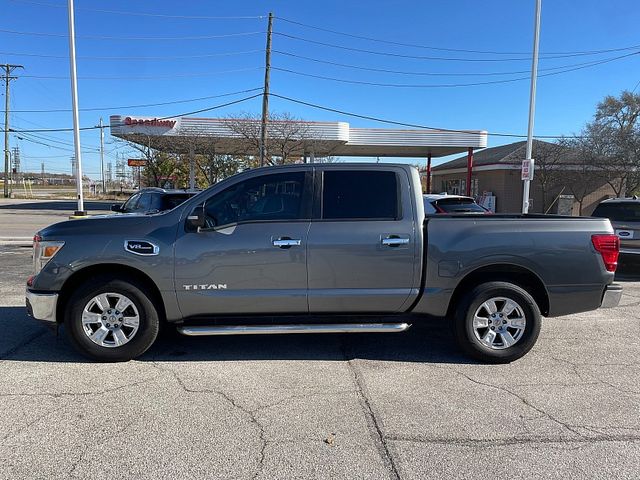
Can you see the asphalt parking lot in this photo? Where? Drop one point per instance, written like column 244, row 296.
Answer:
column 334, row 406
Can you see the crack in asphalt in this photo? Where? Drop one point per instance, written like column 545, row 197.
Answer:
column 48, row 413
column 249, row 413
column 519, row 397
column 78, row 394
column 592, row 376
column 379, row 438
column 85, row 450
column 252, row 414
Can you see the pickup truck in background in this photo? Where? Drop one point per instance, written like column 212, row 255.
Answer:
column 324, row 248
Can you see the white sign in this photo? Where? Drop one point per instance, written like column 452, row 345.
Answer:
column 527, row 169
column 488, row 202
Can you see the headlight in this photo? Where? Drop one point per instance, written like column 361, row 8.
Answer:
column 43, row 251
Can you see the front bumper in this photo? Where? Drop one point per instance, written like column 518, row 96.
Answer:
column 612, row 296
column 42, row 306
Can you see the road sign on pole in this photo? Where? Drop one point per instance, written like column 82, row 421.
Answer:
column 137, row 162
column 527, row 169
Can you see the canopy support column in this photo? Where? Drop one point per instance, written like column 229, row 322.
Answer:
column 428, row 173
column 469, row 170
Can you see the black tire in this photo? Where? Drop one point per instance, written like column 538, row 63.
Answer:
column 466, row 309
column 143, row 338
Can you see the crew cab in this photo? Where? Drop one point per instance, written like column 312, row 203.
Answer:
column 323, row 248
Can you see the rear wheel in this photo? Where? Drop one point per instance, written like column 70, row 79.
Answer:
column 111, row 320
column 497, row 322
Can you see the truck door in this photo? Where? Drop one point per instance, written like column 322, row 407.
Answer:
column 361, row 249
column 251, row 257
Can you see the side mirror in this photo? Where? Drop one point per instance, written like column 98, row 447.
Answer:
column 196, row 220
column 116, row 208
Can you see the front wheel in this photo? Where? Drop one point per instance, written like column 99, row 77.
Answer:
column 497, row 322
column 111, row 320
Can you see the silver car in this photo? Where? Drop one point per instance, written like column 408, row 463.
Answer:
column 443, row 203
column 624, row 214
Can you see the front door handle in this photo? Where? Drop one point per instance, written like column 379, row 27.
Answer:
column 286, row 242
column 394, row 241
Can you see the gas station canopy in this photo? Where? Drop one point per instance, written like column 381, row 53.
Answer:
column 231, row 136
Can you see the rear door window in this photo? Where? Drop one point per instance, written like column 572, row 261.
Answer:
column 360, row 194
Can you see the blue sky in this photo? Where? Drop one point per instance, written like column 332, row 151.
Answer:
column 565, row 101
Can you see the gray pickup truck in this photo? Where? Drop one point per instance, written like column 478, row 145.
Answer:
column 322, row 248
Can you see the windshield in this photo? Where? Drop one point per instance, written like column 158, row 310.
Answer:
column 619, row 212
column 458, row 205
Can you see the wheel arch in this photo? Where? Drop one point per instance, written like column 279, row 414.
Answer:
column 119, row 271
column 504, row 272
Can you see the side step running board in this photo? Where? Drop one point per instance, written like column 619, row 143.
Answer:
column 196, row 331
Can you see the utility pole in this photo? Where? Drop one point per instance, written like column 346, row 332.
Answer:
column 104, row 188
column 8, row 68
column 532, row 108
column 74, row 105
column 265, row 95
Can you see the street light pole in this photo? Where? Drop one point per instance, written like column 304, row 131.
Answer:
column 532, row 108
column 74, row 102
column 104, row 188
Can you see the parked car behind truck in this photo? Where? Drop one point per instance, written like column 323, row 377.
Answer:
column 318, row 245
column 624, row 214
column 153, row 200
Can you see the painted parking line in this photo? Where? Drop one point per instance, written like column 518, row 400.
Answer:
column 16, row 241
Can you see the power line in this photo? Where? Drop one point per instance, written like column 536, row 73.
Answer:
column 165, row 57
column 412, row 125
column 159, row 118
column 428, row 47
column 422, row 73
column 143, row 105
column 147, row 14
column 111, row 37
column 423, row 57
column 449, row 85
column 44, row 138
column 146, row 77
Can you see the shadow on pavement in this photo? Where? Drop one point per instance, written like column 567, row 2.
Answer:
column 62, row 205
column 25, row 340
column 628, row 268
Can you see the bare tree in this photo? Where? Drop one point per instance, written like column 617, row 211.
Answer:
column 581, row 177
column 159, row 167
column 289, row 139
column 549, row 174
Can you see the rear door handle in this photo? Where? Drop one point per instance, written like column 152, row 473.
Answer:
column 394, row 241
column 286, row 242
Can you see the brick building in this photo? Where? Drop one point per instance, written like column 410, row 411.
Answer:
column 496, row 171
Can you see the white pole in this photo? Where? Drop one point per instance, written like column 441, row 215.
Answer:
column 104, row 187
column 532, row 105
column 74, row 101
